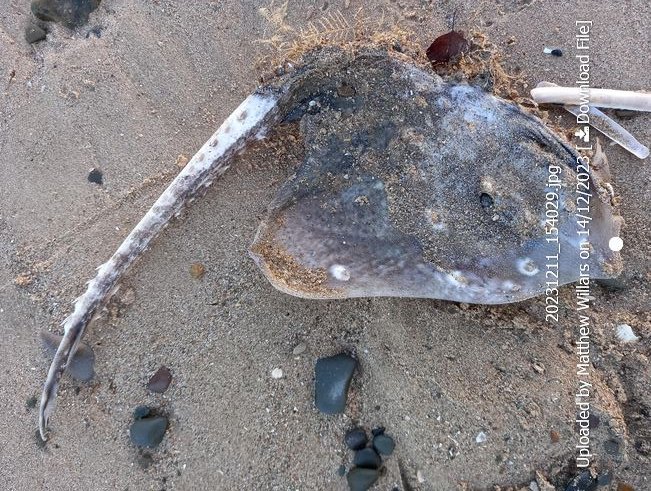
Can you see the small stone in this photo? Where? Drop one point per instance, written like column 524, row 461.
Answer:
column 277, row 373
column 554, row 436
column 197, row 270
column 34, row 33
column 96, row 177
column 622, row 486
column 299, row 349
column 341, row 470
column 160, row 381
column 625, row 334
column 481, row 437
column 182, row 161
column 367, row 458
column 356, row 439
column 605, row 479
column 149, row 431
column 31, row 402
column 582, row 482
column 553, row 51
column 384, row 444
column 332, row 380
column 379, row 430
column 141, row 412
column 82, row 366
column 70, row 13
column 360, row 479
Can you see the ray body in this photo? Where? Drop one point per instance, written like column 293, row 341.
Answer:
column 389, row 198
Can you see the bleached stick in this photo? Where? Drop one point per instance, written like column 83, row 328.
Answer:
column 214, row 158
column 618, row 99
column 610, row 128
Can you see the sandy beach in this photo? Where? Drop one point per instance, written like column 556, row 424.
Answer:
column 141, row 87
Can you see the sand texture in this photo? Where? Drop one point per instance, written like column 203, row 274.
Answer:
column 146, row 82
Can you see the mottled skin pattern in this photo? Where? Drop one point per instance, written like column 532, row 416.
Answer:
column 414, row 187
column 395, row 253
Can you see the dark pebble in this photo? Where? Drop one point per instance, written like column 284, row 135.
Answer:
column 384, row 444
column 360, row 479
column 31, row 402
column 341, row 471
column 160, row 381
column 34, row 33
column 556, row 52
column 141, row 412
column 333, row 375
column 83, row 362
column 356, row 439
column 368, row 459
column 605, row 479
column 70, row 13
column 95, row 176
column 582, row 482
column 148, row 432
column 378, row 431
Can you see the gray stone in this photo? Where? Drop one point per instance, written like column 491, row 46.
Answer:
column 384, row 444
column 149, row 431
column 360, row 479
column 356, row 439
column 333, row 376
column 34, row 33
column 70, row 13
column 368, row 459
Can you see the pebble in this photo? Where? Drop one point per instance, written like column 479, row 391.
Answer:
column 70, row 13
column 625, row 334
column 149, row 431
column 367, row 458
column 356, row 439
column 341, row 471
column 31, row 402
column 553, row 51
column 582, row 482
column 299, row 349
column 332, row 380
column 384, row 444
column 34, row 33
column 160, row 381
column 82, row 366
column 277, row 373
column 360, row 479
column 379, row 430
column 141, row 412
column 481, row 437
column 197, row 270
column 96, row 177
